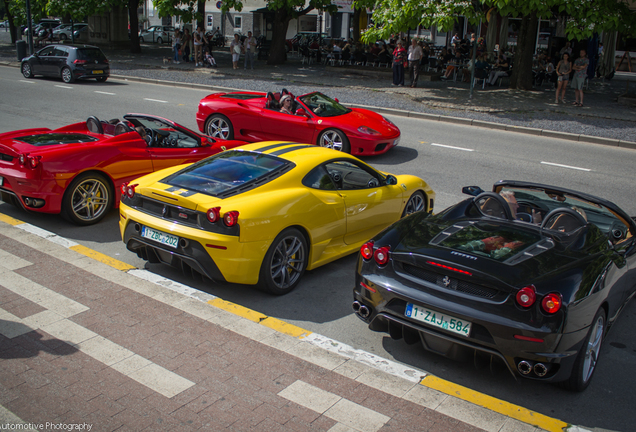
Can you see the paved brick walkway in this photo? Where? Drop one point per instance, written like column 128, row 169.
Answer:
column 82, row 343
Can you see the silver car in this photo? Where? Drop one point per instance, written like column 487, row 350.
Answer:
column 63, row 32
column 159, row 34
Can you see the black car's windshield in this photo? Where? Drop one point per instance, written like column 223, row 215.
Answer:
column 91, row 54
column 229, row 172
column 42, row 140
column 491, row 240
column 322, row 105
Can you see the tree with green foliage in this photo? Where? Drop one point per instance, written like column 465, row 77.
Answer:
column 584, row 19
column 284, row 12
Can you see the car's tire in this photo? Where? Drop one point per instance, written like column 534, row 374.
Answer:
column 220, row 127
column 159, row 40
column 415, row 204
column 101, row 79
column 141, row 39
column 334, row 139
column 62, row 36
column 67, row 75
column 284, row 263
column 587, row 358
column 26, row 70
column 88, row 198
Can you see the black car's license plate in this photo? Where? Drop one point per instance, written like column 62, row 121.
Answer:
column 437, row 319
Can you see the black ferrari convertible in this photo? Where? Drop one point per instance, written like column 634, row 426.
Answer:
column 530, row 274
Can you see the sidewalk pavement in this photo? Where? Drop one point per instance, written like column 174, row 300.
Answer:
column 90, row 343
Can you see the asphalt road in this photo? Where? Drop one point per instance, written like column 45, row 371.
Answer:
column 448, row 156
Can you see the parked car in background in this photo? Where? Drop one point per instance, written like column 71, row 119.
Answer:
column 69, row 62
column 4, row 24
column 42, row 25
column 158, row 34
column 81, row 34
column 63, row 32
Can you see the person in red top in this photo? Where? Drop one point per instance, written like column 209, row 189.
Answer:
column 399, row 58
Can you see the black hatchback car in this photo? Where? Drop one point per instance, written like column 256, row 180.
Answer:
column 70, row 62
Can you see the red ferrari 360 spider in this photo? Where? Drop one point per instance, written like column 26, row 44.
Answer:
column 312, row 118
column 77, row 170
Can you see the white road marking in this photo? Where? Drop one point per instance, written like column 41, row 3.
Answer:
column 106, row 93
column 452, row 147
column 565, row 166
column 30, row 82
column 61, row 86
column 155, row 100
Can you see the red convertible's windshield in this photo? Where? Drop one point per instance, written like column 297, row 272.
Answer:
column 322, row 105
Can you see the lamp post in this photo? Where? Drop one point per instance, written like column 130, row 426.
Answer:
column 29, row 26
column 472, row 72
column 319, row 29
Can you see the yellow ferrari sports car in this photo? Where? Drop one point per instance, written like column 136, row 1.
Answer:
column 264, row 213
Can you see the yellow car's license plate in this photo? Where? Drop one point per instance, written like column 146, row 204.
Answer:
column 161, row 237
column 437, row 319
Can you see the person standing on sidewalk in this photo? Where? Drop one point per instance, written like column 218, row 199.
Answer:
column 235, row 48
column 563, row 70
column 185, row 43
column 580, row 73
column 399, row 60
column 249, row 46
column 414, row 57
column 176, row 45
column 198, row 50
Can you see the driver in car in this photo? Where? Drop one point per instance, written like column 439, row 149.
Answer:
column 142, row 133
column 510, row 198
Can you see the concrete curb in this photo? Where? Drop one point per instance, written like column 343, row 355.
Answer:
column 403, row 113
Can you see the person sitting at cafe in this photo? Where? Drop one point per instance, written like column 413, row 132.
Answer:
column 452, row 64
column 375, row 49
column 501, row 69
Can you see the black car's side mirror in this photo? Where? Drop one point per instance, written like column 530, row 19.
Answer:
column 472, row 190
column 390, row 180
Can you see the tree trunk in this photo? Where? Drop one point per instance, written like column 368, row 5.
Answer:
column 201, row 10
column 133, row 19
column 277, row 52
column 11, row 23
column 356, row 24
column 521, row 78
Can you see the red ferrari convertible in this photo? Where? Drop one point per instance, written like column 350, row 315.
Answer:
column 313, row 118
column 77, row 170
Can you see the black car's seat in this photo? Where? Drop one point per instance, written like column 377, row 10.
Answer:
column 94, row 125
column 493, row 204
column 564, row 219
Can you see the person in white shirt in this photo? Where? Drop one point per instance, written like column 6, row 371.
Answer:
column 414, row 57
column 236, row 48
column 249, row 46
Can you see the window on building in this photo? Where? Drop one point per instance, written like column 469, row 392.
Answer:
column 238, row 23
column 210, row 22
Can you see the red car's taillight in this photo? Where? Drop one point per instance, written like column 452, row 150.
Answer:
column 213, row 214
column 526, row 296
column 381, row 255
column 231, row 218
column 29, row 161
column 551, row 303
column 367, row 250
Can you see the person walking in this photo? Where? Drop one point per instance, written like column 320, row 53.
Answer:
column 235, row 49
column 176, row 45
column 186, row 38
column 414, row 56
column 399, row 59
column 249, row 46
column 580, row 73
column 563, row 69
